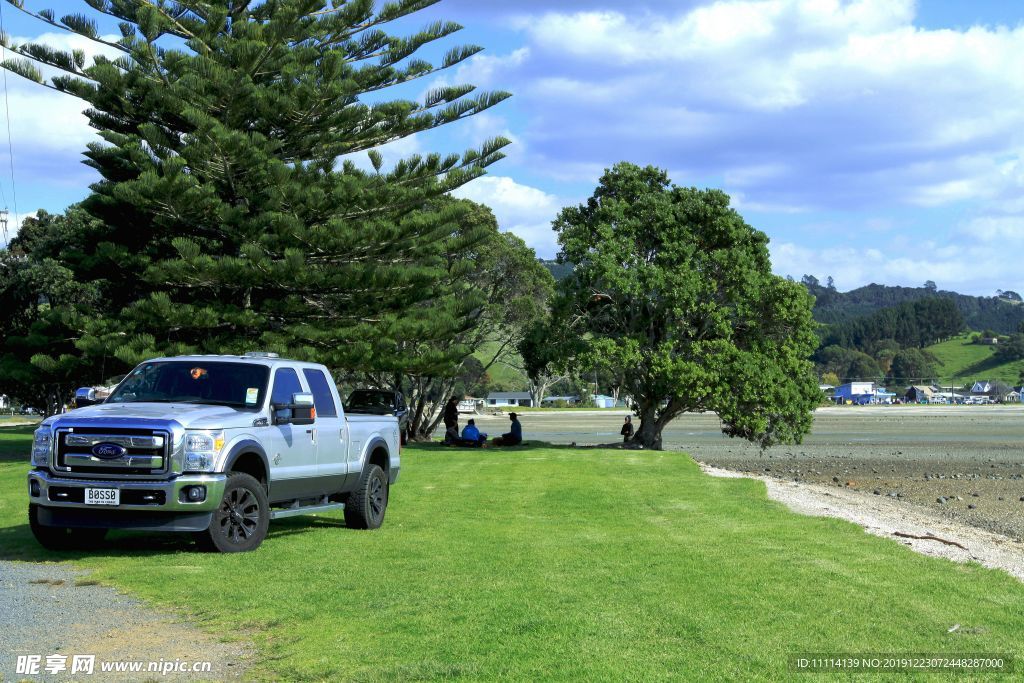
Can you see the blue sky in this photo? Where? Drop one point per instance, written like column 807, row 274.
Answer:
column 873, row 140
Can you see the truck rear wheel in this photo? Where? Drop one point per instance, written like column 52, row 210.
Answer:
column 63, row 538
column 240, row 523
column 366, row 506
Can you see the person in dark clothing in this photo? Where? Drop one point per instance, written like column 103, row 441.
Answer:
column 512, row 438
column 451, row 420
column 627, row 429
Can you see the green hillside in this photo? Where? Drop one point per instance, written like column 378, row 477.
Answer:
column 962, row 360
column 503, row 376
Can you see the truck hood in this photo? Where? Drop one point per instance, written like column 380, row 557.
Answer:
column 188, row 415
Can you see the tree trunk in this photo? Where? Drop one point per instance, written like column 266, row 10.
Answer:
column 653, row 421
column 649, row 433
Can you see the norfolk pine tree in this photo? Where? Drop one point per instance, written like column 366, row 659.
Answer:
column 236, row 217
column 672, row 289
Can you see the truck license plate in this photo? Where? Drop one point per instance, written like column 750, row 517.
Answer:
column 102, row 497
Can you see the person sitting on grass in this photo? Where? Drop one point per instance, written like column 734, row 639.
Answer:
column 512, row 438
column 471, row 436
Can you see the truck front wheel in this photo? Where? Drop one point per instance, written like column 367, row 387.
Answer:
column 241, row 521
column 366, row 506
column 63, row 538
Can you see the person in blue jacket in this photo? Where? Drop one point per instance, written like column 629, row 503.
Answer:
column 512, row 438
column 471, row 436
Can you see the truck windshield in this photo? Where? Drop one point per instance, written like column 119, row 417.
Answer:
column 241, row 385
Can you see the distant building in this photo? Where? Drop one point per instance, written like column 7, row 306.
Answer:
column 919, row 394
column 855, row 392
column 510, row 398
column 947, row 397
column 988, row 340
column 982, row 387
column 568, row 400
column 1013, row 396
column 883, row 395
column 5, row 403
column 602, row 401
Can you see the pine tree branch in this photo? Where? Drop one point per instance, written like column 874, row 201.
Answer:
column 68, row 29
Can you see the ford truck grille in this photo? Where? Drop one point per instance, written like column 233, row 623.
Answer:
column 106, row 451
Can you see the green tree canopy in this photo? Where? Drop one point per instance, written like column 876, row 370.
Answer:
column 913, row 366
column 234, row 213
column 47, row 297
column 672, row 289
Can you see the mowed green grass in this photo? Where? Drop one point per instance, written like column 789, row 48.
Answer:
column 542, row 563
column 962, row 360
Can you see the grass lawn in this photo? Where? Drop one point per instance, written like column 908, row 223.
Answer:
column 962, row 360
column 544, row 563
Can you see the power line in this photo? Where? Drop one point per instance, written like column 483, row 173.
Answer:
column 10, row 140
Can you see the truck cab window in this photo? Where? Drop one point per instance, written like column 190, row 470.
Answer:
column 322, row 398
column 286, row 384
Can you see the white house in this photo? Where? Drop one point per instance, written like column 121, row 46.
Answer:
column 602, row 401
column 510, row 398
column 982, row 387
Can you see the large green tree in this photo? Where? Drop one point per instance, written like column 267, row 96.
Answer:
column 48, row 291
column 236, row 213
column 672, row 289
column 913, row 366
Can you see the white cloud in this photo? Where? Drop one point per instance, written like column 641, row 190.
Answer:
column 42, row 119
column 969, row 266
column 524, row 210
column 793, row 103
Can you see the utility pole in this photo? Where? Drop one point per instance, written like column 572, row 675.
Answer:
column 3, row 225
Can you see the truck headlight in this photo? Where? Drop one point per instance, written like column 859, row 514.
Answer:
column 42, row 442
column 202, row 449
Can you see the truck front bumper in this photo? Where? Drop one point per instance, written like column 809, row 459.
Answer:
column 147, row 505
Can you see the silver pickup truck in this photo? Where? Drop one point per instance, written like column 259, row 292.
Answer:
column 213, row 445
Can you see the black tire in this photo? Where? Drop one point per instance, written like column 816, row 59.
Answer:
column 241, row 521
column 366, row 506
column 63, row 538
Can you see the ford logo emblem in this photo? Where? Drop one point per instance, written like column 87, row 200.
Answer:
column 108, row 451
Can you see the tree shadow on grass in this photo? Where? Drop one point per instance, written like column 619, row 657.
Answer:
column 16, row 443
column 979, row 369
column 437, row 447
column 18, row 544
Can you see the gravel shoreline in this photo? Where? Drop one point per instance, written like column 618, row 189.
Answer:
column 895, row 520
column 49, row 608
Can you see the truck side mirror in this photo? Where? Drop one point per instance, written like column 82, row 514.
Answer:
column 85, row 396
column 301, row 411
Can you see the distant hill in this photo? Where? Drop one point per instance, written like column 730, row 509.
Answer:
column 559, row 271
column 961, row 360
column 999, row 314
